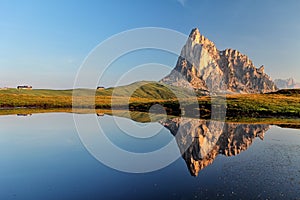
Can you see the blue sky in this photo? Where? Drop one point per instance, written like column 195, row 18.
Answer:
column 43, row 43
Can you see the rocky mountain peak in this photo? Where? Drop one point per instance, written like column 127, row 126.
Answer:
column 289, row 83
column 203, row 67
column 195, row 35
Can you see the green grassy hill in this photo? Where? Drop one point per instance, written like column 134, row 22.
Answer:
column 144, row 91
column 147, row 90
column 142, row 95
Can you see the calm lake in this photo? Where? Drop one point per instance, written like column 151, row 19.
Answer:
column 44, row 157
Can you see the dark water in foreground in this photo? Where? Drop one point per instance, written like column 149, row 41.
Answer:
column 42, row 157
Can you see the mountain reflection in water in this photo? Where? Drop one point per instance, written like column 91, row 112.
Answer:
column 207, row 139
column 201, row 141
column 45, row 152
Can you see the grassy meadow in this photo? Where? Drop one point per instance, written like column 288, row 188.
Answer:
column 141, row 96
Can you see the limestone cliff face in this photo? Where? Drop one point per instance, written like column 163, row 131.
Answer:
column 201, row 141
column 203, row 67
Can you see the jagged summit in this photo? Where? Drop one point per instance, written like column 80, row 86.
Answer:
column 205, row 68
column 289, row 83
column 194, row 32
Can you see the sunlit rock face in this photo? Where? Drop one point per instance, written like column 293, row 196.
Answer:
column 201, row 141
column 203, row 67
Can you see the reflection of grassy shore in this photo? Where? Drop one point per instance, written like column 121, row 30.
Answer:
column 141, row 96
column 145, row 117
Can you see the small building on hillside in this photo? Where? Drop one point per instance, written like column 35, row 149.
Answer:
column 100, row 88
column 27, row 87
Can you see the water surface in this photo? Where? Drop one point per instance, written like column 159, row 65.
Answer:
column 42, row 157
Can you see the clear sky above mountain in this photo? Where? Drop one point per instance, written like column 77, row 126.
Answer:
column 43, row 43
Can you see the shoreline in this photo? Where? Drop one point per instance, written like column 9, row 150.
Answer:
column 144, row 117
column 281, row 104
